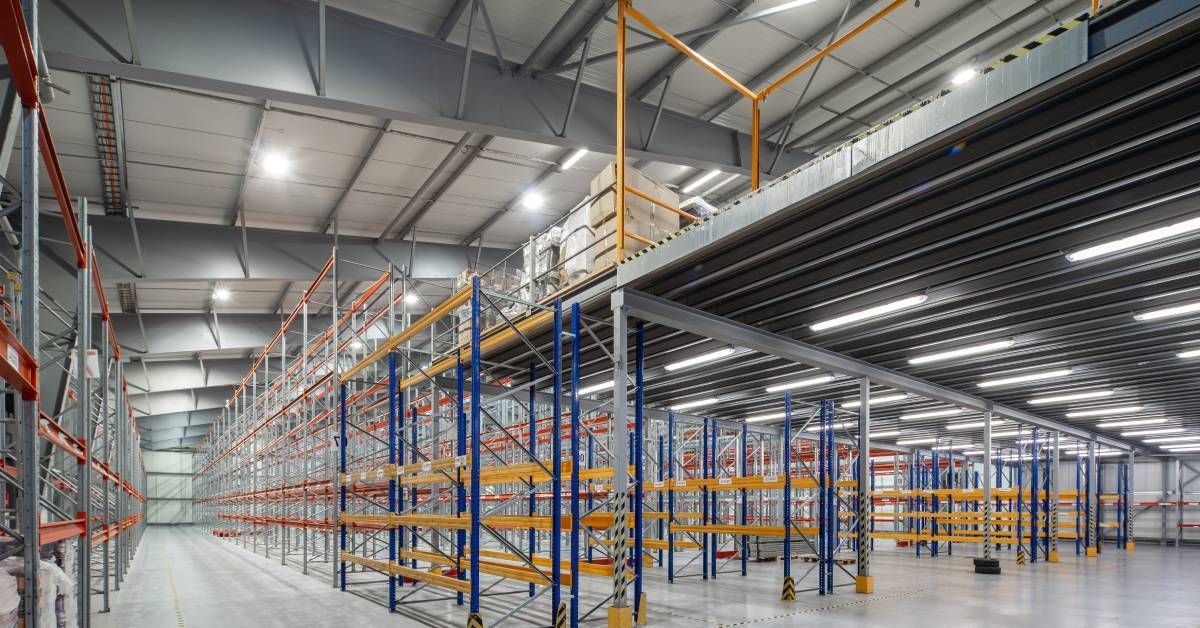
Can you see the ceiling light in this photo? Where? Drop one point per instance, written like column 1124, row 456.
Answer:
column 766, row 417
column 791, row 5
column 1170, row 439
column 699, row 403
column 871, row 312
column 724, row 182
column 1129, row 423
column 1193, row 353
column 356, row 346
column 966, row 425
column 221, row 294
column 412, row 298
column 954, row 447
column 885, row 434
column 708, row 176
column 1157, row 430
column 986, row 347
column 1183, row 448
column 844, row 425
column 586, row 390
column 700, row 359
column 916, row 441
column 532, row 200
column 1078, row 414
column 874, row 401
column 574, row 158
column 1006, row 434
column 1091, row 394
column 1137, row 239
column 964, row 76
column 802, row 383
column 275, row 165
column 1027, row 377
column 1166, row 312
column 931, row 414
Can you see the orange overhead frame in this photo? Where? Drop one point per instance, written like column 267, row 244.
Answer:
column 625, row 8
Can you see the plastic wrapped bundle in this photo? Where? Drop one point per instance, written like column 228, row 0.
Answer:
column 10, row 601
column 576, row 256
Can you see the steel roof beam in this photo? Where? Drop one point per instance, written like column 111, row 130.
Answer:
column 259, row 61
column 675, row 316
column 660, row 75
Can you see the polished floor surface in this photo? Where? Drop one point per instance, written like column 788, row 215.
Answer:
column 183, row 577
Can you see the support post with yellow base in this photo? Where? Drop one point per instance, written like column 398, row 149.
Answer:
column 474, row 620
column 560, row 616
column 1091, row 552
column 620, row 617
column 789, row 590
column 1053, row 557
column 864, row 584
column 1129, row 546
column 641, row 609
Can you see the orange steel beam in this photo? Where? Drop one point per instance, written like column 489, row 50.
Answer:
column 623, row 6
column 695, row 56
column 755, row 142
column 811, row 61
column 636, row 192
column 634, row 236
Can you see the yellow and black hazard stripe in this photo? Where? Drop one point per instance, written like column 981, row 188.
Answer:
column 560, row 616
column 474, row 620
column 789, row 590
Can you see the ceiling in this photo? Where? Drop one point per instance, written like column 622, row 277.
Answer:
column 193, row 155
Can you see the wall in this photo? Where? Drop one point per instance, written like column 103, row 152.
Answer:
column 169, row 487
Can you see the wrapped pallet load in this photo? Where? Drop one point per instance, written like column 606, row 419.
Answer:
column 498, row 281
column 577, row 249
column 542, row 262
column 644, row 221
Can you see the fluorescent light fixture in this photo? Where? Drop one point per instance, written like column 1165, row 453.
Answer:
column 221, row 294
column 1167, row 312
column 708, row 176
column 885, row 434
column 871, row 312
column 1091, row 394
column 955, row 447
column 594, row 388
column 1079, row 414
column 1109, row 454
column 932, row 414
column 1183, row 448
column 986, row 347
column 766, row 417
column 964, row 76
column 412, row 298
column 1170, row 439
column 574, row 158
column 801, row 383
column 724, row 182
column 532, row 200
column 1027, row 377
column 699, row 403
column 1137, row 239
column 1006, row 434
column 916, row 441
column 1157, row 430
column 876, row 400
column 844, row 425
column 1129, row 423
column 275, row 165
column 968, row 425
column 1193, row 353
column 700, row 359
column 791, row 5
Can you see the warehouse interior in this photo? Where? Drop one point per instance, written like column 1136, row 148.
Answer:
column 599, row 312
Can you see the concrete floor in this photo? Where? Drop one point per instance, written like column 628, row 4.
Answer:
column 183, row 577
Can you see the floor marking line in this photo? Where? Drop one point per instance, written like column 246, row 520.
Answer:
column 174, row 593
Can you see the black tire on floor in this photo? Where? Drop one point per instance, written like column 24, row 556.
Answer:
column 987, row 562
column 992, row 571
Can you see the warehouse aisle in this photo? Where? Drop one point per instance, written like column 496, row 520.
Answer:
column 183, row 578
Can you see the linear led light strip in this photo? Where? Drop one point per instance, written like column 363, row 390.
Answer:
column 1027, row 377
column 1079, row 414
column 1183, row 448
column 1170, row 439
column 1090, row 394
column 1167, row 312
column 1193, row 353
column 803, row 383
column 967, row 425
column 932, row 414
column 1157, row 430
column 874, row 401
column 700, row 359
column 602, row 386
column 699, row 403
column 871, row 312
column 987, row 347
column 1137, row 239
column 1129, row 423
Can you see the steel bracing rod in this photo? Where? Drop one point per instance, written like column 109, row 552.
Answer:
column 663, row 74
column 467, row 54
column 681, row 317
